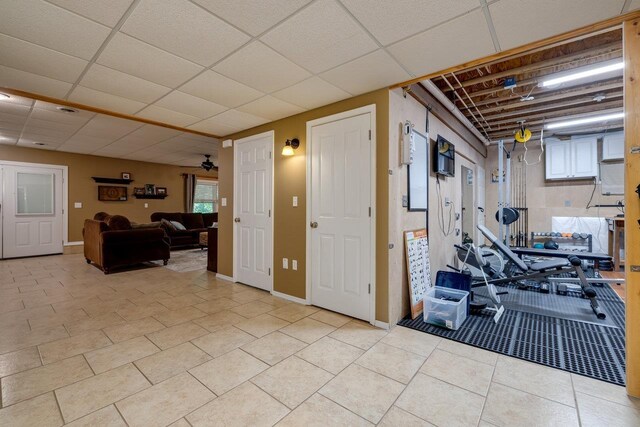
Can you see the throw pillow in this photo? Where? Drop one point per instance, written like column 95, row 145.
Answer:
column 177, row 225
column 119, row 222
column 167, row 225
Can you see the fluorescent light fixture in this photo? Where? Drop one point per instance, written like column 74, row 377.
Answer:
column 586, row 120
column 588, row 72
column 4, row 96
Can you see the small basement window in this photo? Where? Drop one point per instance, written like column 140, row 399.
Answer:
column 205, row 199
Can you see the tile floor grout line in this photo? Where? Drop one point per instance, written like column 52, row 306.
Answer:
column 575, row 399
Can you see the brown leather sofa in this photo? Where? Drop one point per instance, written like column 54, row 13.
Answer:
column 111, row 242
column 195, row 223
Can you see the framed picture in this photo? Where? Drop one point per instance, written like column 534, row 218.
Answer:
column 109, row 193
column 161, row 190
column 138, row 191
column 149, row 189
column 126, row 175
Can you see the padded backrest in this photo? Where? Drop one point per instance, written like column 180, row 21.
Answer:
column 192, row 221
column 503, row 248
column 209, row 218
column 169, row 216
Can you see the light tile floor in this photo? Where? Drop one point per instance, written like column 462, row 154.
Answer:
column 155, row 347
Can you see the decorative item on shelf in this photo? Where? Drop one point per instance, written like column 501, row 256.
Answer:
column 289, row 146
column 138, row 191
column 109, row 193
column 149, row 189
column 161, row 191
column 126, row 175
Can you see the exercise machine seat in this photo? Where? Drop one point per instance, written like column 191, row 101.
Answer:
column 549, row 265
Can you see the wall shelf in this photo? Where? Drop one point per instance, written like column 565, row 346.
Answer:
column 112, row 180
column 150, row 196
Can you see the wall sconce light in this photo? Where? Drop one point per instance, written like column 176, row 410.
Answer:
column 289, row 146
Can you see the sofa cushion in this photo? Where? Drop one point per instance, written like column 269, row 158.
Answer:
column 145, row 225
column 178, row 225
column 192, row 220
column 167, row 225
column 169, row 216
column 118, row 222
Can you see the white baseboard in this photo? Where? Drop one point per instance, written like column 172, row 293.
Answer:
column 223, row 277
column 74, row 243
column 289, row 297
column 382, row 325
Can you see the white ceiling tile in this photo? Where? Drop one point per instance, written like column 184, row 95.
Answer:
column 48, row 111
column 163, row 115
column 155, row 133
column 121, row 84
column 29, row 82
column 142, row 60
column 220, row 89
column 105, row 12
column 44, row 127
column 545, row 18
column 14, row 108
column 50, row 26
column 320, row 37
column 94, row 98
column 189, row 104
column 253, row 16
column 31, row 143
column 368, row 73
column 635, row 4
column 88, row 141
column 17, row 100
column 239, row 119
column 8, row 139
column 262, row 68
column 12, row 122
column 311, row 93
column 103, row 126
column 77, row 149
column 214, row 127
column 271, row 108
column 184, row 29
column 25, row 56
column 432, row 50
column 390, row 21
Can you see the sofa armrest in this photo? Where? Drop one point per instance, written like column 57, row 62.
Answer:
column 133, row 236
column 91, row 234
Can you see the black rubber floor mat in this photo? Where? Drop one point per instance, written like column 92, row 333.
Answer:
column 585, row 348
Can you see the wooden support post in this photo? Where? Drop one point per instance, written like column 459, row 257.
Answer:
column 631, row 46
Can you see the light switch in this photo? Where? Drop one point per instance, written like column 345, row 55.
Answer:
column 223, row 201
column 295, row 201
column 294, row 264
column 285, row 263
column 77, row 205
column 146, row 205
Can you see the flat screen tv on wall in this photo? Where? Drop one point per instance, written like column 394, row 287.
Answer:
column 445, row 157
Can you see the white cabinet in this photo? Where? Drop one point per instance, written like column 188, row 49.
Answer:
column 574, row 159
column 613, row 146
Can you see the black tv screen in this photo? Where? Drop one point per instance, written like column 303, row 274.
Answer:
column 445, row 157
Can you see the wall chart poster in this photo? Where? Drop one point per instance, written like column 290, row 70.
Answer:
column 418, row 268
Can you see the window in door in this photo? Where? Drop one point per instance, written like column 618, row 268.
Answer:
column 34, row 194
column 205, row 199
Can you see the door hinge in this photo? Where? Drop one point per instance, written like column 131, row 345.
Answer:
column 269, row 271
column 269, row 154
column 369, row 134
column 369, row 211
column 269, row 213
column 369, row 287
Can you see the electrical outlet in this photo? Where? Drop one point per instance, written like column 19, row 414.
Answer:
column 77, row 205
column 285, row 263
column 146, row 205
column 447, row 201
column 295, row 201
column 223, row 201
column 405, row 201
column 294, row 264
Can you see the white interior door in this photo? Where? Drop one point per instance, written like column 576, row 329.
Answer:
column 253, row 178
column 32, row 216
column 340, row 212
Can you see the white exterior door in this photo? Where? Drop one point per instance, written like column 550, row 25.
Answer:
column 32, row 216
column 340, row 212
column 253, row 229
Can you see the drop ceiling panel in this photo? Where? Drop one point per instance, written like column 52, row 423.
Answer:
column 95, row 98
column 121, row 84
column 105, row 12
column 164, row 115
column 239, row 119
column 29, row 143
column 320, row 37
column 47, row 111
column 546, row 18
column 184, row 29
column 15, row 109
column 142, row 60
column 76, row 149
column 25, row 56
column 311, row 93
column 12, row 122
column 155, row 133
column 432, row 50
column 635, row 4
column 22, row 80
column 253, row 16
column 53, row 27
column 189, row 104
column 390, row 21
column 45, row 127
column 220, row 89
column 356, row 77
column 108, row 127
column 271, row 108
column 215, row 126
column 91, row 142
column 262, row 68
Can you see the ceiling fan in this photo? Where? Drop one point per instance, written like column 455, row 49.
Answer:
column 207, row 164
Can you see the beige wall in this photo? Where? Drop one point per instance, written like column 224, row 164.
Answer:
column 290, row 180
column 83, row 189
column 546, row 199
column 400, row 219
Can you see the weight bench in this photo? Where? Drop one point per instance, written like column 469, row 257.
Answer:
column 541, row 270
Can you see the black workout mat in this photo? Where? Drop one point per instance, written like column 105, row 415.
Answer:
column 588, row 348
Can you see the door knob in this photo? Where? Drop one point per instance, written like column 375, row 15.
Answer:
column 236, row 219
column 314, row 224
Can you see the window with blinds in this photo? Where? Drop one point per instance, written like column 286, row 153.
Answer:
column 205, row 199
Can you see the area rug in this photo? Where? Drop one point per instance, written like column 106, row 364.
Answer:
column 187, row 260
column 592, row 349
